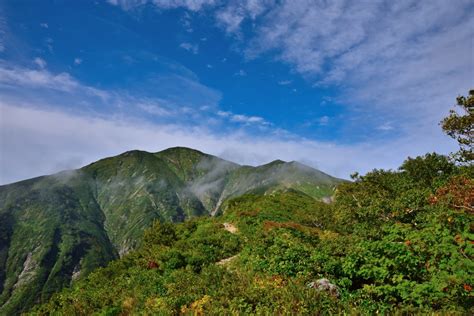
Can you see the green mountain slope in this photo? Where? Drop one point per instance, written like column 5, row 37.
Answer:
column 58, row 228
column 278, row 175
column 133, row 190
column 51, row 233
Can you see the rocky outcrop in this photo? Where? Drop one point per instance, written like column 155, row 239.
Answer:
column 324, row 285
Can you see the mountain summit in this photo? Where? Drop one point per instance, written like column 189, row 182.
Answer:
column 58, row 228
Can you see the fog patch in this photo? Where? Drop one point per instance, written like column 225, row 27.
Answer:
column 209, row 186
column 67, row 176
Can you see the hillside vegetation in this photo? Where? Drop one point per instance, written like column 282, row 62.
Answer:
column 392, row 241
column 57, row 229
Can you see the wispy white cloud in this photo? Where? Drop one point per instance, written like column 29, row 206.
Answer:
column 241, row 118
column 241, row 73
column 306, row 32
column 186, row 22
column 284, row 82
column 247, row 119
column 20, row 77
column 154, row 108
column 385, row 127
column 77, row 61
column 323, row 120
column 49, row 44
column 230, row 19
column 224, row 113
column 40, row 62
column 127, row 4
column 193, row 48
column 167, row 109
column 174, row 89
column 193, row 5
column 44, row 25
column 317, row 121
column 232, row 15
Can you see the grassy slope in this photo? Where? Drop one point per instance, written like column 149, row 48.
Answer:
column 279, row 175
column 53, row 230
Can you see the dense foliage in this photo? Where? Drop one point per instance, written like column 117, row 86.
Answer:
column 392, row 241
column 460, row 126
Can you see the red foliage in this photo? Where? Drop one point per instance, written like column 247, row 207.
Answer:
column 458, row 194
column 152, row 265
column 458, row 239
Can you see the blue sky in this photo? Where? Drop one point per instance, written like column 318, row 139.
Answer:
column 342, row 86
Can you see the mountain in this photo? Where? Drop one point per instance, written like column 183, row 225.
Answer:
column 58, row 228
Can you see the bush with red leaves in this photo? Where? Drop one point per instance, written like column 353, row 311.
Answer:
column 457, row 194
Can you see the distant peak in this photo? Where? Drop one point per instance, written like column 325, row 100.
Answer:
column 180, row 149
column 133, row 152
column 277, row 162
column 297, row 163
column 300, row 165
